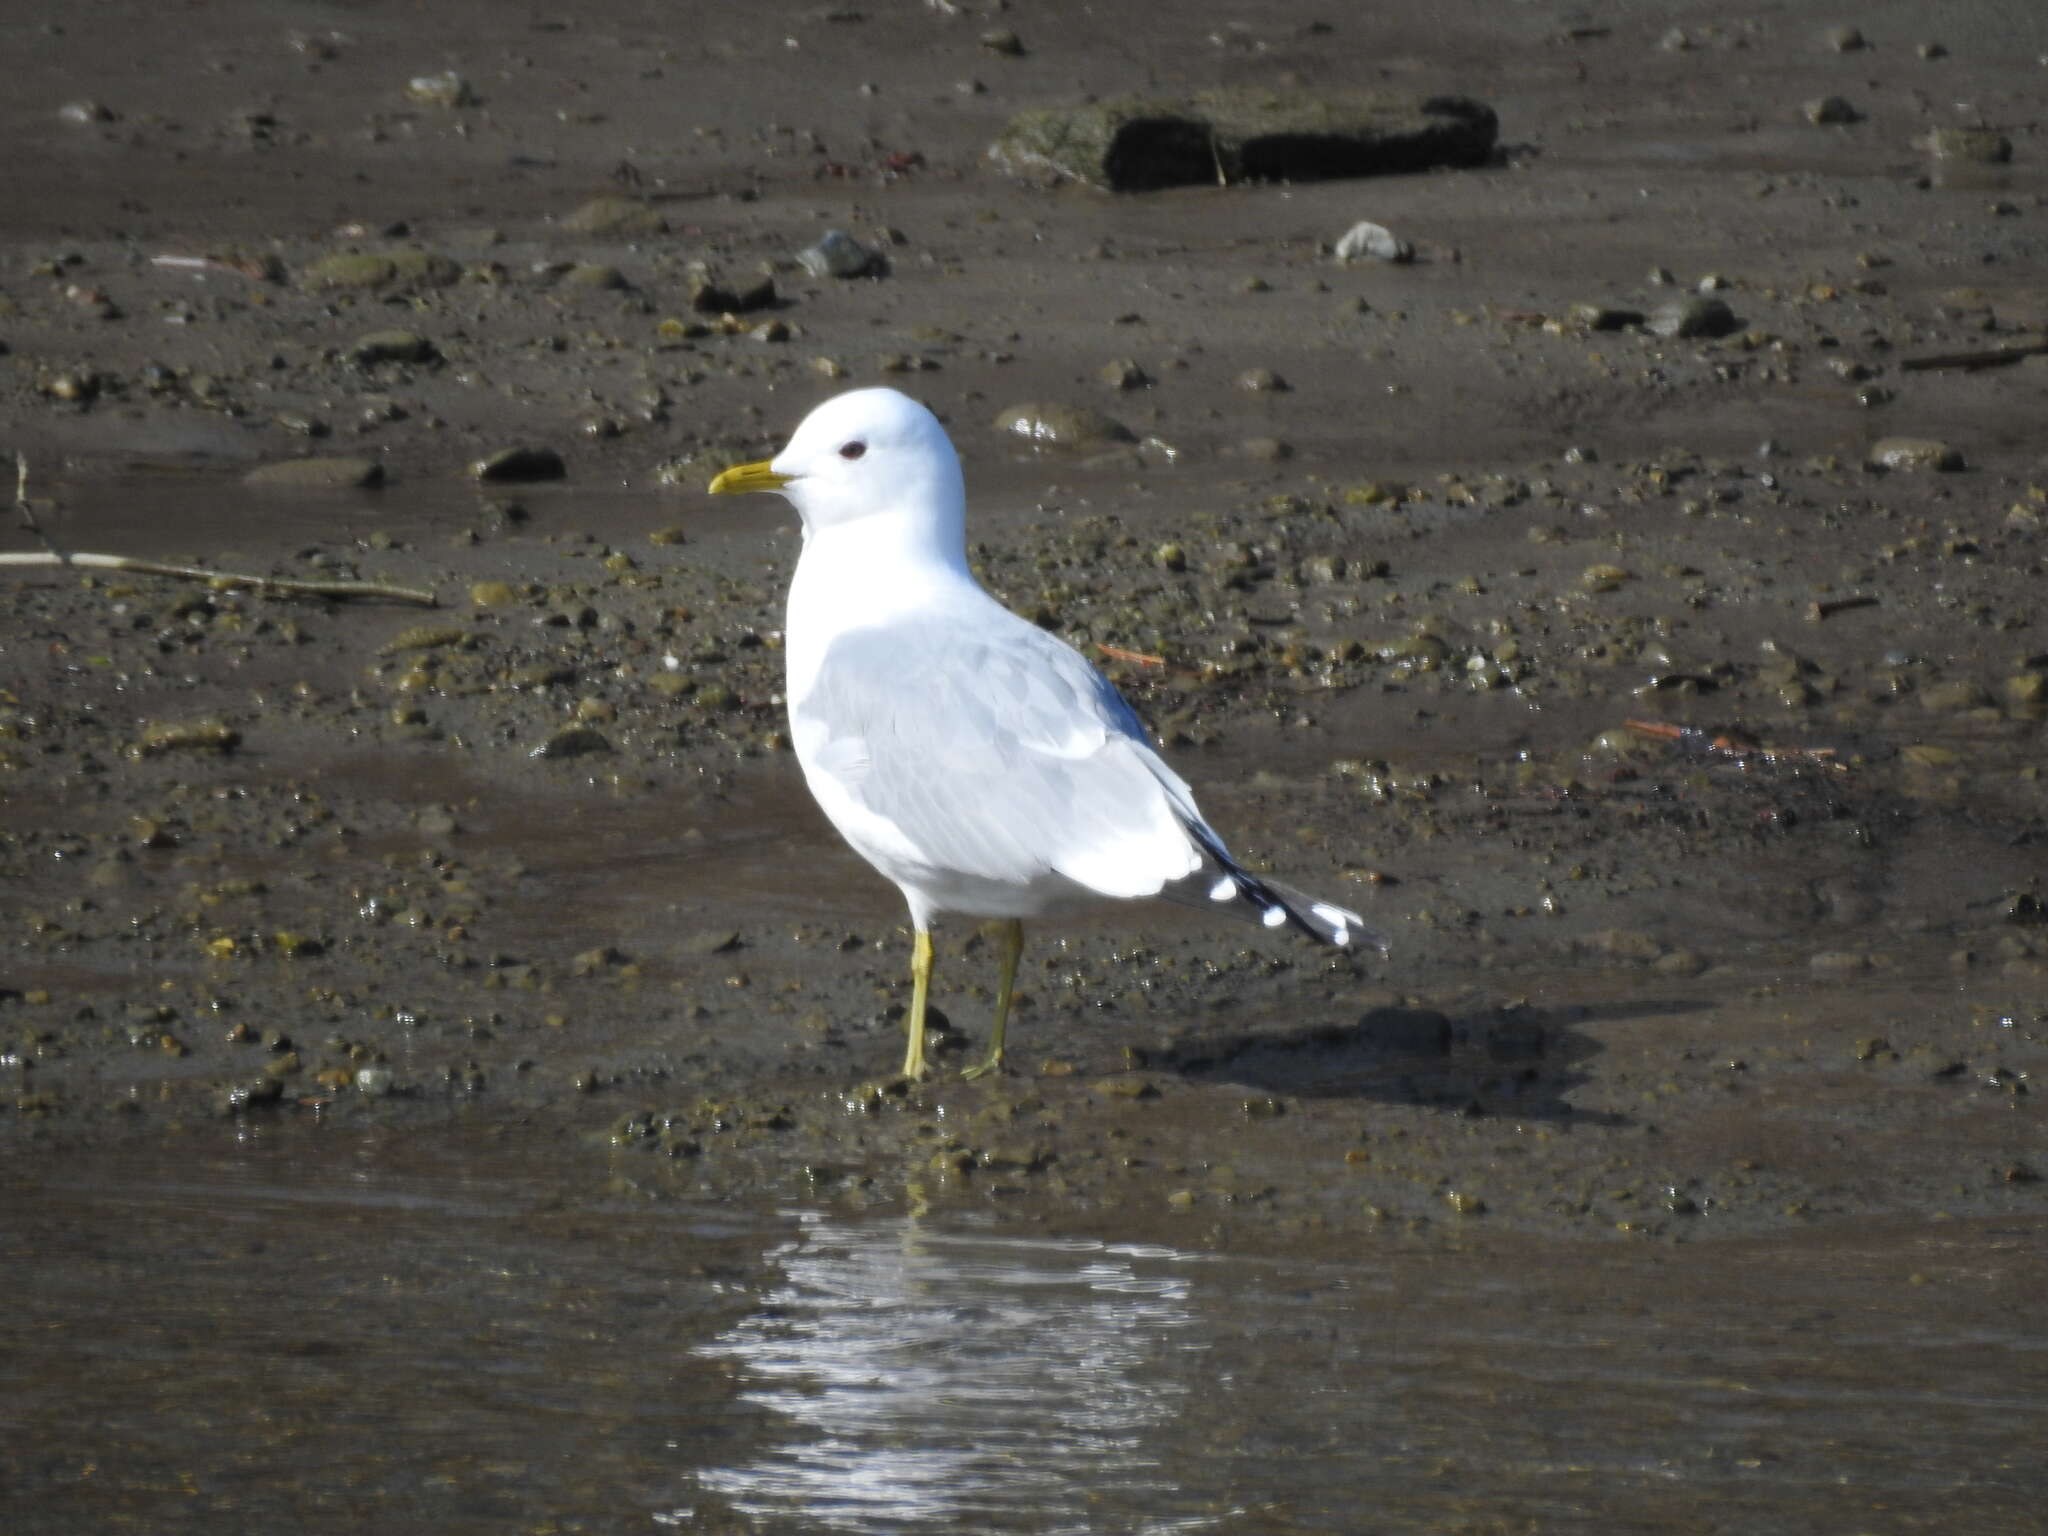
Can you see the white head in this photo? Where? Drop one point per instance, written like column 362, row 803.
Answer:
column 867, row 454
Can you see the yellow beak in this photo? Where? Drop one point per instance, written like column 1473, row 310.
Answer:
column 748, row 477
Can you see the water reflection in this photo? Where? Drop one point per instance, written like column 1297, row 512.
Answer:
column 931, row 1377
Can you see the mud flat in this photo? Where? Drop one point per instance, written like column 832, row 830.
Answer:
column 1631, row 598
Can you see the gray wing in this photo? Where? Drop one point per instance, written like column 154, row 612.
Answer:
column 997, row 751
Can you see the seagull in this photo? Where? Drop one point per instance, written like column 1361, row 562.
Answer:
column 977, row 761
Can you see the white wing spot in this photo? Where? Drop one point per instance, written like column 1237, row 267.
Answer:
column 1223, row 889
column 1341, row 936
column 1275, row 916
column 1336, row 917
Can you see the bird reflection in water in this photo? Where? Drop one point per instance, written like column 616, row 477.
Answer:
column 934, row 1377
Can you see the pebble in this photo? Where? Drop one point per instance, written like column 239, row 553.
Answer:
column 1843, row 39
column 1373, row 242
column 573, row 741
column 519, row 464
column 1913, row 453
column 1003, row 42
column 1692, row 317
column 338, row 473
column 1953, row 698
column 1053, row 425
column 1824, row 110
column 381, row 269
column 1980, row 146
column 1603, row 317
column 444, row 89
column 84, row 113
column 1123, row 374
column 838, row 254
column 711, row 297
column 1261, row 380
column 1268, row 450
column 594, row 274
column 616, row 216
column 189, row 736
column 392, row 347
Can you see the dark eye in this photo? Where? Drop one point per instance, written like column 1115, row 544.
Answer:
column 852, row 450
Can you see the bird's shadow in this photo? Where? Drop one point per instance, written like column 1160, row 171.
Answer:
column 1514, row 1060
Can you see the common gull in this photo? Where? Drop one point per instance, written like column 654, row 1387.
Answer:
column 977, row 761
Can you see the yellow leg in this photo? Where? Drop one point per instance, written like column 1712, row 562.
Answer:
column 1006, row 984
column 920, row 989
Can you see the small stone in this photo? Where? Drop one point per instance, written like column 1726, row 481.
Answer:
column 2027, row 688
column 404, row 268
column 1836, row 964
column 189, row 736
column 1603, row 578
column 75, row 387
column 593, row 962
column 1843, row 39
column 1126, row 1088
column 1123, row 374
column 616, row 216
column 84, row 113
column 323, row 474
column 1695, row 317
column 1366, row 241
column 1953, row 698
column 519, row 464
column 392, row 347
column 1053, row 425
column 1268, row 450
column 1913, row 453
column 709, row 297
column 1825, row 110
column 1003, row 42
column 1603, row 317
column 1261, row 380
column 573, row 741
column 596, row 275
column 443, row 89
column 1980, row 146
column 838, row 254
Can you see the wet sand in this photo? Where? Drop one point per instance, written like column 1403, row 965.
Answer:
column 530, row 880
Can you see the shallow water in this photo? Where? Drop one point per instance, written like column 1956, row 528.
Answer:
column 451, row 1333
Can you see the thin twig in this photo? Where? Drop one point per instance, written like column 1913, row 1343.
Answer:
column 1118, row 653
column 51, row 556
column 1996, row 357
column 1722, row 744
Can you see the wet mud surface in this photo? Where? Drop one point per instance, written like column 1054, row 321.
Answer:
column 1685, row 739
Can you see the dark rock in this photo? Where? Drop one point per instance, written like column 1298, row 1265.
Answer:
column 711, row 297
column 392, row 347
column 520, row 464
column 1693, row 317
column 1135, row 143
